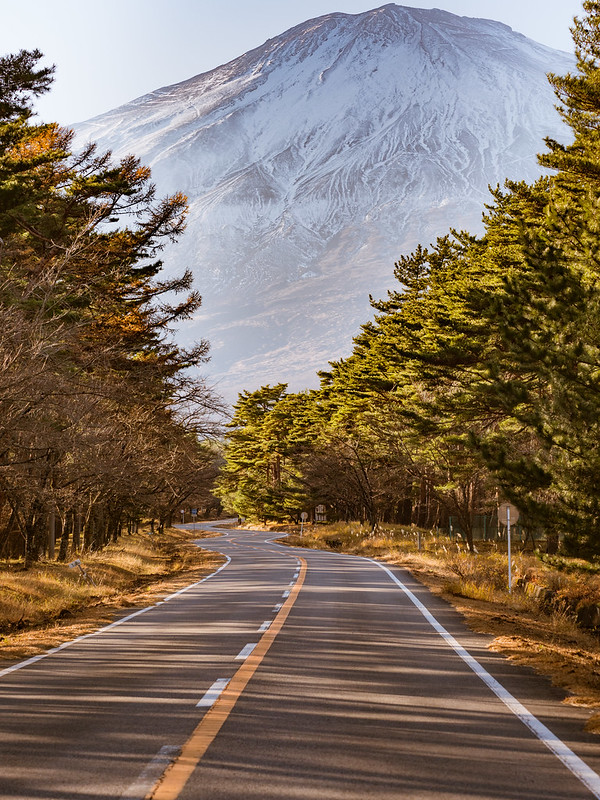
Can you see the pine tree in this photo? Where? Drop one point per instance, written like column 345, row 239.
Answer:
column 250, row 482
column 546, row 375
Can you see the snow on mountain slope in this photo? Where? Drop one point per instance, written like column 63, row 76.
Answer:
column 312, row 162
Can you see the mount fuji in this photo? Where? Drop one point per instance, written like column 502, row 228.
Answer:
column 313, row 162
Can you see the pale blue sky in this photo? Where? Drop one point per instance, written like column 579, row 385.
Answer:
column 111, row 52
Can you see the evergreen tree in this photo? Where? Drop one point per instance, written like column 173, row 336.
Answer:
column 546, row 379
column 250, row 482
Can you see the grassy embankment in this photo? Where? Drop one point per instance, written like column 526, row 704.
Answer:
column 540, row 624
column 50, row 602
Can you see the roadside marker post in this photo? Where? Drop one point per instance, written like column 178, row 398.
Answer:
column 508, row 540
column 78, row 565
column 303, row 518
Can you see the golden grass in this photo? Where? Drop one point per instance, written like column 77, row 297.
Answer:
column 49, row 602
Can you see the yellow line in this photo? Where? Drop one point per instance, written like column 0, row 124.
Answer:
column 178, row 774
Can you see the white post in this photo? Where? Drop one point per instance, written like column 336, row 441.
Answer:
column 508, row 539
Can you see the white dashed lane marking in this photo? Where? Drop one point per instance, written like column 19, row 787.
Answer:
column 213, row 693
column 152, row 772
column 245, row 651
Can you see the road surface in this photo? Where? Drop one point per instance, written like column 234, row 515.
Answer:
column 289, row 673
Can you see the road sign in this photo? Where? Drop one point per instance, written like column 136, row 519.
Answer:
column 508, row 513
column 304, row 516
column 194, row 512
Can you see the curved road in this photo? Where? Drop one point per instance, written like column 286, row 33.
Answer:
column 289, row 673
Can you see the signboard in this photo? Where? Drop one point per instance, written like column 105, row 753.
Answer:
column 508, row 515
column 320, row 514
column 507, row 512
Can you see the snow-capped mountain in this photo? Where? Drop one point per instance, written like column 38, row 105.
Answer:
column 312, row 162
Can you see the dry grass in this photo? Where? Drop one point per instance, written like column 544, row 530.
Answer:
column 50, row 602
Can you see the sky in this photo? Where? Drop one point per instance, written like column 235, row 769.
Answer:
column 109, row 53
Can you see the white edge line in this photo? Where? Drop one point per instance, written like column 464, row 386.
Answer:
column 294, row 550
column 265, row 626
column 286, row 593
column 211, row 696
column 33, row 659
column 576, row 765
column 192, row 585
column 139, row 789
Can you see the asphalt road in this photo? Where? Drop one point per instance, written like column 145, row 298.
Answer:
column 335, row 678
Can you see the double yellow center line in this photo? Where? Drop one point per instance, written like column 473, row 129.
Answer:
column 179, row 772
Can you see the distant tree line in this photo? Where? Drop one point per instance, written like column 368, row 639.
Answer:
column 479, row 377
column 100, row 421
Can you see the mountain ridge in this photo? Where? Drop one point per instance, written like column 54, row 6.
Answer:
column 314, row 160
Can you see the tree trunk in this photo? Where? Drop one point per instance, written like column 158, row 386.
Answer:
column 76, row 530
column 67, row 528
column 35, row 534
column 51, row 540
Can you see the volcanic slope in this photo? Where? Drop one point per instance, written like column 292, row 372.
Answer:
column 312, row 162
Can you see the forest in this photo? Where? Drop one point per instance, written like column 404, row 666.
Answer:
column 102, row 420
column 477, row 380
